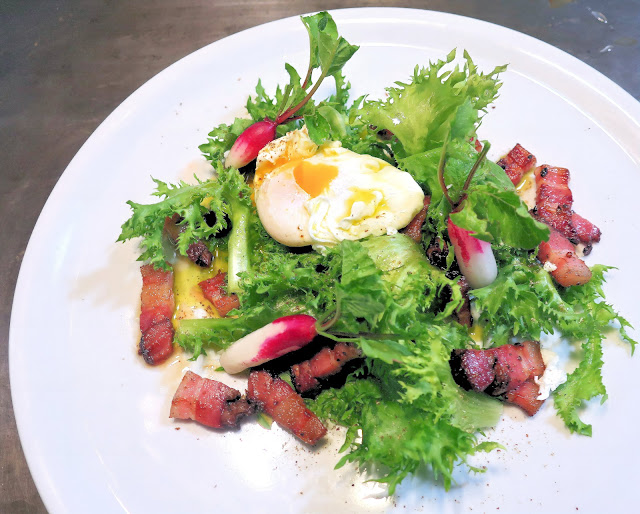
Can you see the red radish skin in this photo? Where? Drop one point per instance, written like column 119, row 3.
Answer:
column 250, row 142
column 279, row 337
column 475, row 257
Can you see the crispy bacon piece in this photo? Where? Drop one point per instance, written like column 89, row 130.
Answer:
column 156, row 310
column 554, row 200
column 586, row 231
column 554, row 203
column 507, row 372
column 526, row 397
column 209, row 402
column 275, row 397
column 414, row 228
column 554, row 206
column 327, row 362
column 214, row 290
column 516, row 163
column 569, row 270
column 198, row 252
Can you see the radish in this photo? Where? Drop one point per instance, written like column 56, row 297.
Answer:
column 279, row 337
column 474, row 256
column 250, row 142
column 329, row 52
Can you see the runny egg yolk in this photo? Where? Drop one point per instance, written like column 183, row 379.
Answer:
column 312, row 178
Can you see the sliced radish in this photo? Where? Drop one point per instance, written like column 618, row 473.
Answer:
column 474, row 256
column 281, row 336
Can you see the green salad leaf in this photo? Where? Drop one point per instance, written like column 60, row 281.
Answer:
column 436, row 102
column 224, row 197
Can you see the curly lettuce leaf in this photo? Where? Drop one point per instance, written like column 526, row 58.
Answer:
column 227, row 196
column 433, row 104
column 399, row 438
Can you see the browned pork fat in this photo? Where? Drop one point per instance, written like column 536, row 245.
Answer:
column 516, row 163
column 554, row 206
column 214, row 290
column 414, row 228
column 566, row 267
column 209, row 402
column 156, row 310
column 506, row 371
column 327, row 362
column 275, row 397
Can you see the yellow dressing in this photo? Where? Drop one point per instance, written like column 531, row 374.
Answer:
column 190, row 302
column 314, row 178
column 366, row 197
column 528, row 181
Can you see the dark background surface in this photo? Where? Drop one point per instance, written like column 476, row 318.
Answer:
column 65, row 65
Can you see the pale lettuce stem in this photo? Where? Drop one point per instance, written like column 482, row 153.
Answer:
column 238, row 246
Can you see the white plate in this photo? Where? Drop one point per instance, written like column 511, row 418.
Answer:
column 93, row 418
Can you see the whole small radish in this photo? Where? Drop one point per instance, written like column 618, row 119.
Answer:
column 250, row 142
column 474, row 257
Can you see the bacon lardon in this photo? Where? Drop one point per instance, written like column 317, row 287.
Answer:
column 214, row 290
column 516, row 163
column 586, row 231
column 327, row 362
column 156, row 311
column 414, row 228
column 275, row 397
column 208, row 402
column 554, row 206
column 507, row 372
column 566, row 268
column 554, row 200
column 525, row 396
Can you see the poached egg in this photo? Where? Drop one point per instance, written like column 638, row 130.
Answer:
column 320, row 195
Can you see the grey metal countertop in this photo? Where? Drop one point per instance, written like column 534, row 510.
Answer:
column 66, row 64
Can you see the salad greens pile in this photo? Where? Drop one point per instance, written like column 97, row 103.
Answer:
column 402, row 409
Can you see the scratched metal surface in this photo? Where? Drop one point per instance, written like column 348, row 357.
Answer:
column 65, row 65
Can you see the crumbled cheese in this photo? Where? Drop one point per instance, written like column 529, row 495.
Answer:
column 552, row 377
column 548, row 266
